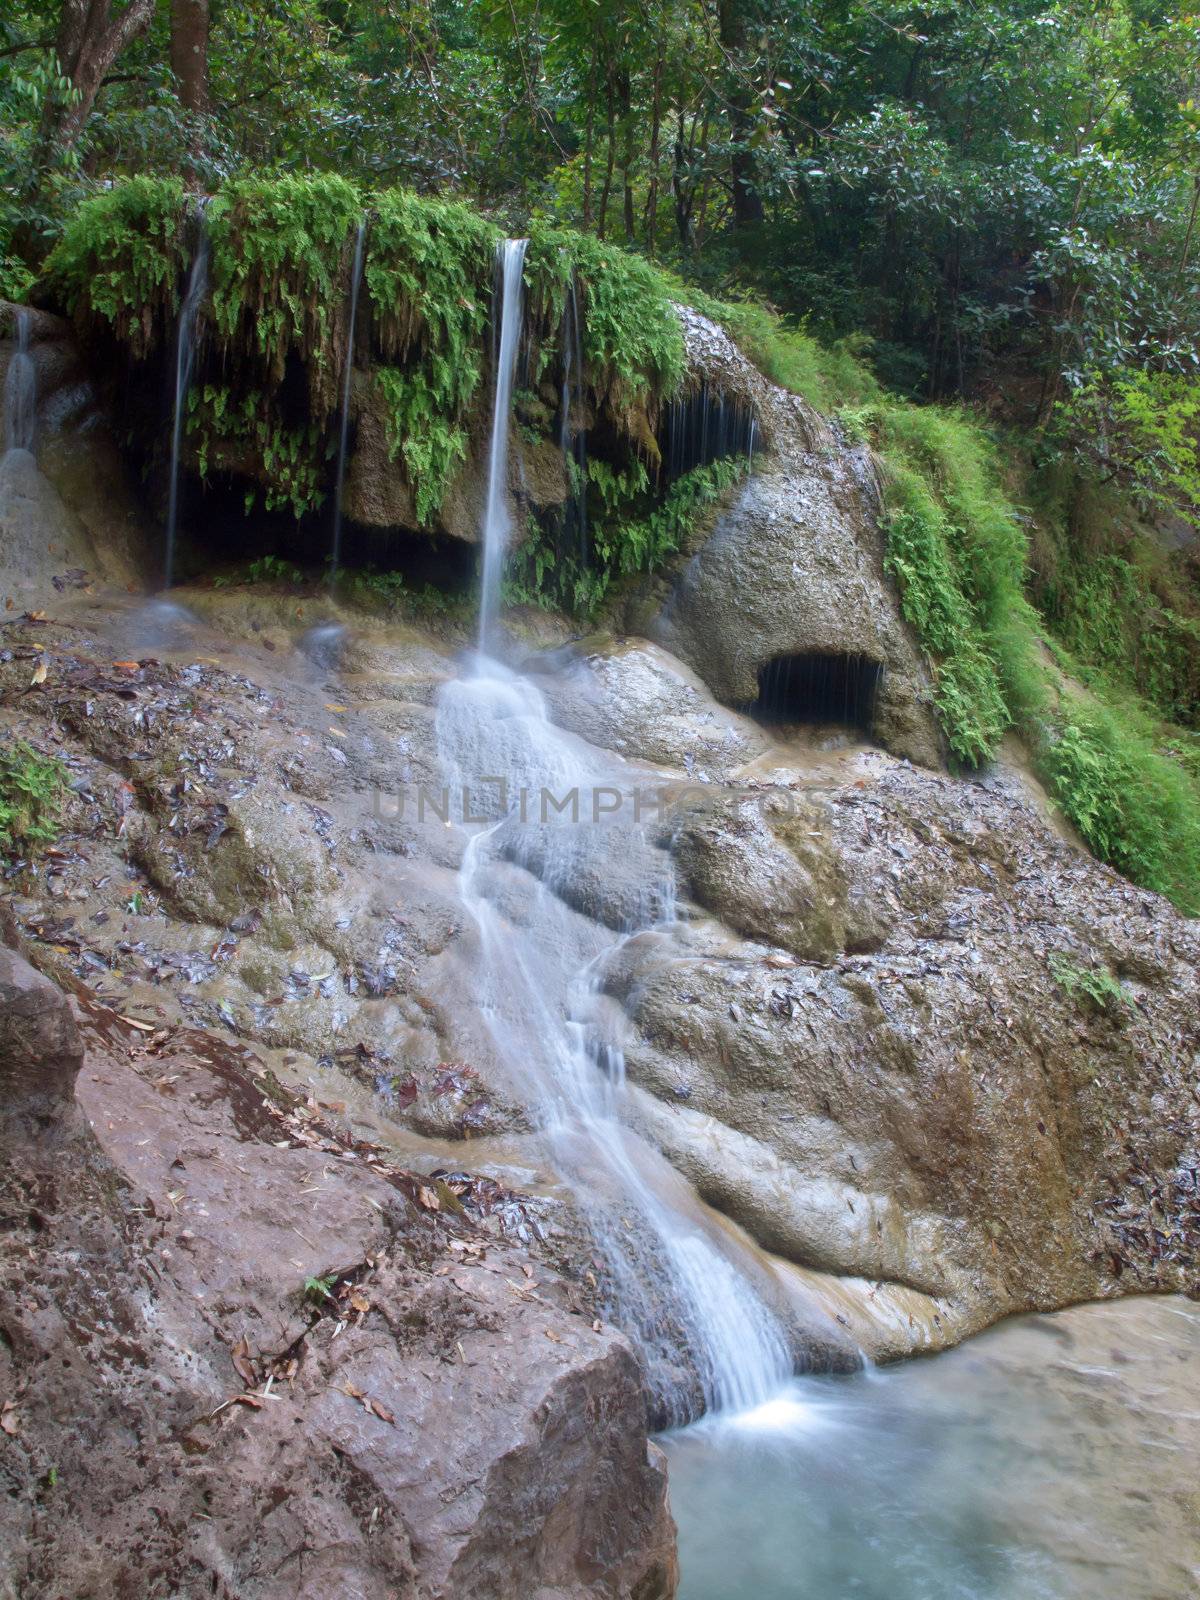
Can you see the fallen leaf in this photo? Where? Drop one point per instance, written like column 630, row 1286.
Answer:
column 143, row 1027
column 428, row 1199
column 243, row 1366
column 381, row 1411
column 39, row 674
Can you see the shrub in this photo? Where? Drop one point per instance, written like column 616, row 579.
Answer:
column 31, row 788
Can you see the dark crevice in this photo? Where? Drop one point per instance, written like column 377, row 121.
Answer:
column 817, row 689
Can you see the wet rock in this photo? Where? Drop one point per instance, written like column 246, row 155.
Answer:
column 795, row 566
column 299, row 1382
column 40, row 1051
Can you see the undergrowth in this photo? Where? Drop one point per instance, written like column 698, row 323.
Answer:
column 31, row 790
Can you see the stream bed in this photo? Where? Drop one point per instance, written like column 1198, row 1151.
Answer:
column 1052, row 1458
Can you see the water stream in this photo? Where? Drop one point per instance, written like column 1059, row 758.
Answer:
column 185, row 361
column 20, row 388
column 1053, row 1458
column 707, row 1335
column 344, row 430
column 506, row 345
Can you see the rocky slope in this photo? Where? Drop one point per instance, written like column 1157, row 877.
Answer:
column 923, row 1056
column 183, row 1416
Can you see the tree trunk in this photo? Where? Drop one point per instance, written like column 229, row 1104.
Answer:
column 189, row 53
column 89, row 40
column 655, row 156
column 612, row 155
column 747, row 202
column 588, row 147
column 627, row 155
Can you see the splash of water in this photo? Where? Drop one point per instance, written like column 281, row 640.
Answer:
column 355, row 285
column 20, row 388
column 185, row 361
column 497, row 523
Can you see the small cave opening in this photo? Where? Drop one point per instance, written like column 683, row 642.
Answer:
column 817, row 689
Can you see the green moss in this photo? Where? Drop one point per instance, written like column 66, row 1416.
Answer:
column 431, row 447
column 630, row 534
column 278, row 250
column 120, row 258
column 228, row 426
column 31, row 790
column 633, row 349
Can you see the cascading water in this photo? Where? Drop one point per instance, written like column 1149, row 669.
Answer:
column 706, row 1335
column 355, row 284
column 20, row 388
column 506, row 331
column 185, row 361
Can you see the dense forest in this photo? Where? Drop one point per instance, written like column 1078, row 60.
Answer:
column 969, row 234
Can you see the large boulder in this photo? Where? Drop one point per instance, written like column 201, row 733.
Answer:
column 794, row 566
column 236, row 1355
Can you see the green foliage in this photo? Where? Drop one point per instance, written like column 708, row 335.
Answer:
column 631, row 533
column 120, row 258
column 31, row 789
column 263, row 569
column 319, row 1290
column 431, row 447
column 632, row 342
column 1092, row 987
column 278, row 246
column 959, row 555
column 226, row 425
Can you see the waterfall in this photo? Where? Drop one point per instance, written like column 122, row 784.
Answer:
column 506, row 334
column 675, row 1280
column 703, row 1330
column 185, row 360
column 355, row 284
column 572, row 440
column 20, row 387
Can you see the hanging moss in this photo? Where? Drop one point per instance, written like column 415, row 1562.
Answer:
column 120, row 258
column 273, row 337
column 278, row 253
column 229, row 427
column 633, row 348
column 418, row 432
column 631, row 533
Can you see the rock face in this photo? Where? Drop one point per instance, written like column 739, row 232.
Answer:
column 66, row 516
column 426, row 1421
column 795, row 565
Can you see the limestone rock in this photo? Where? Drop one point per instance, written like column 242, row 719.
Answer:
column 795, row 565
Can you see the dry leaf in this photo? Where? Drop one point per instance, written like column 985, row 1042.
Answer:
column 243, row 1366
column 381, row 1411
column 128, row 666
column 8, row 1419
column 353, row 1391
column 255, row 1401
column 39, row 674
column 359, row 1301
column 144, row 1027
column 428, row 1199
